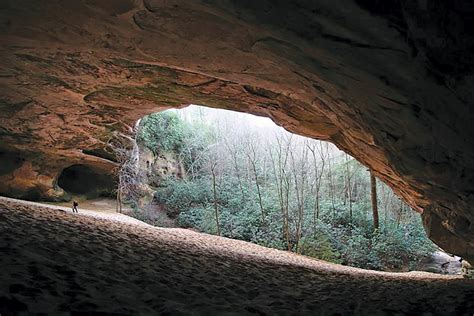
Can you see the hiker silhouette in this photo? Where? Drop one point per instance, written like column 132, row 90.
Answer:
column 74, row 207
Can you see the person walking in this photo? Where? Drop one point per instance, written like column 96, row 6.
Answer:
column 74, row 206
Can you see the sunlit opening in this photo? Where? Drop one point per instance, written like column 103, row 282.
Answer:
column 241, row 176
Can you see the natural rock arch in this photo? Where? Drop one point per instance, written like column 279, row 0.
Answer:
column 389, row 83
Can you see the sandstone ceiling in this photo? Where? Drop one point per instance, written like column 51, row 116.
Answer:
column 390, row 82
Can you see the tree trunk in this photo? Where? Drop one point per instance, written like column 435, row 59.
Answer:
column 331, row 189
column 117, row 204
column 262, row 210
column 317, row 180
column 215, row 201
column 399, row 215
column 279, row 164
column 287, row 214
column 119, row 196
column 349, row 185
column 375, row 211
column 233, row 152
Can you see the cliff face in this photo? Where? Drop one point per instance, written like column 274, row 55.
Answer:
column 153, row 170
column 390, row 82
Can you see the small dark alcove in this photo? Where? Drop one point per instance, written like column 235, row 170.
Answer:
column 85, row 180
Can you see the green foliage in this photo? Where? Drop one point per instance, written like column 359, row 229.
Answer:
column 319, row 245
column 343, row 232
column 357, row 250
column 200, row 218
column 165, row 132
column 393, row 247
column 151, row 217
column 180, row 195
column 162, row 132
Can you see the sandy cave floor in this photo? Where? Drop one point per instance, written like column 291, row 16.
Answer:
column 54, row 261
column 98, row 205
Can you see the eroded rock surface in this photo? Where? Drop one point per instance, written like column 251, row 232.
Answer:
column 56, row 262
column 390, row 82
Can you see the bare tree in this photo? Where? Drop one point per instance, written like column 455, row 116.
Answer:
column 375, row 211
column 252, row 157
column 299, row 168
column 348, row 185
column 214, row 189
column 129, row 177
column 317, row 175
column 233, row 151
column 331, row 183
column 283, row 180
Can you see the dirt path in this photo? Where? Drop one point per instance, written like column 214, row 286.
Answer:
column 52, row 261
column 98, row 208
column 101, row 205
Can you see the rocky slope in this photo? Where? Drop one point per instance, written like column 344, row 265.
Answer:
column 58, row 263
column 390, row 82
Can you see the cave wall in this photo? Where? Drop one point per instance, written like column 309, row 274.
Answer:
column 390, row 82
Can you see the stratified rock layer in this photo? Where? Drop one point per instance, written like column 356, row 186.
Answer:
column 390, row 82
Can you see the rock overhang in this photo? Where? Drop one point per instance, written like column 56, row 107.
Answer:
column 390, row 84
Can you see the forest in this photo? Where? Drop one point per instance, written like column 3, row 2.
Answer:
column 243, row 177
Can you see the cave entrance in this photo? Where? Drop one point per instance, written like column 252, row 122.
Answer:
column 86, row 181
column 243, row 177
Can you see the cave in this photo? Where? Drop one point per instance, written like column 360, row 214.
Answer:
column 86, row 181
column 390, row 83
